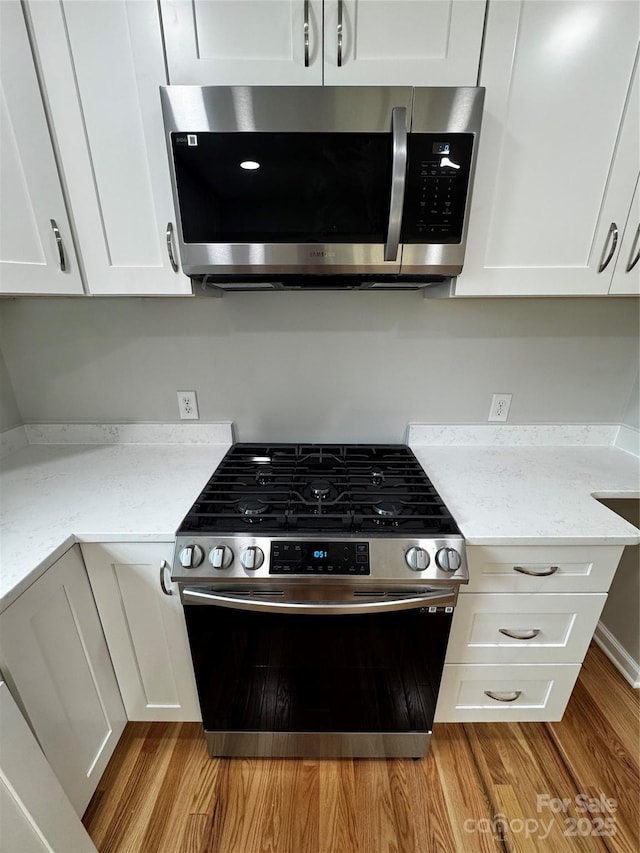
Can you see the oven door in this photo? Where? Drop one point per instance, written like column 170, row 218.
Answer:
column 287, row 181
column 293, row 673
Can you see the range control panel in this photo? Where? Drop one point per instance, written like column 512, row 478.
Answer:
column 319, row 558
column 437, row 182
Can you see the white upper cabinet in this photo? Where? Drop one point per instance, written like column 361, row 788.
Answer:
column 626, row 277
column 243, row 42
column 33, row 257
column 102, row 63
column 558, row 158
column 624, row 267
column 402, row 42
column 335, row 42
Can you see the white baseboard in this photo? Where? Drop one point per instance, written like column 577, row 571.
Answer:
column 618, row 655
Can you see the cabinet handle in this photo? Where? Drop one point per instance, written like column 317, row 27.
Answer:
column 339, row 33
column 306, row 33
column 62, row 260
column 633, row 261
column 172, row 260
column 543, row 574
column 504, row 697
column 164, row 565
column 520, row 634
column 613, row 231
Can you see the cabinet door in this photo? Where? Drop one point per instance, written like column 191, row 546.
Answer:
column 557, row 77
column 243, row 42
column 145, row 630
column 31, row 201
column 626, row 278
column 402, row 43
column 36, row 814
column 54, row 657
column 102, row 63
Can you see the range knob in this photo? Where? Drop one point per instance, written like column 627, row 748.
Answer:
column 191, row 556
column 417, row 559
column 221, row 557
column 448, row 559
column 252, row 557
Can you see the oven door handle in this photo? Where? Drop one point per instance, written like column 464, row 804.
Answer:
column 441, row 598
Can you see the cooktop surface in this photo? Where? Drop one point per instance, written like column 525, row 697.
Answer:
column 378, row 489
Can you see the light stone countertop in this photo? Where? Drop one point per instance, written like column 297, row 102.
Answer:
column 524, row 495
column 52, row 495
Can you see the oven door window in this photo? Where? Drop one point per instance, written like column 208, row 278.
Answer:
column 266, row 672
column 283, row 187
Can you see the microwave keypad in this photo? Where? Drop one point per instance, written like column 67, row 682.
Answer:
column 437, row 182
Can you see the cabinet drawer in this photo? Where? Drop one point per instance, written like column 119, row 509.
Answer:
column 494, row 628
column 524, row 692
column 497, row 568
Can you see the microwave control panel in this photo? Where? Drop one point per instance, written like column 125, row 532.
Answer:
column 437, row 183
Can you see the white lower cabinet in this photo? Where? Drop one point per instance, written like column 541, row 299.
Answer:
column 54, row 657
column 491, row 693
column 145, row 629
column 495, row 628
column 521, row 629
column 36, row 813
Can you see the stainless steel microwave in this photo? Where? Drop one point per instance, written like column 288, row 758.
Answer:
column 321, row 187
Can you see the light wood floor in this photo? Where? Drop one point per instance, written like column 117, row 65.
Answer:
column 488, row 787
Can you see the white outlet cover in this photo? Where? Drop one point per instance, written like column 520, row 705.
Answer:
column 500, row 405
column 188, row 406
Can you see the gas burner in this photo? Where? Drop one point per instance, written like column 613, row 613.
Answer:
column 320, row 489
column 377, row 477
column 388, row 509
column 252, row 510
column 264, row 477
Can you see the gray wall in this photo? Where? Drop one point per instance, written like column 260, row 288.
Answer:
column 9, row 412
column 321, row 366
column 632, row 414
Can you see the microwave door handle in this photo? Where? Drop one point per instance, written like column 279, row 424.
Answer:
column 398, row 174
column 444, row 597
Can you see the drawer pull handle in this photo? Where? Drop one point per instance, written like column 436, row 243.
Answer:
column 543, row 574
column 504, row 697
column 522, row 634
column 164, row 565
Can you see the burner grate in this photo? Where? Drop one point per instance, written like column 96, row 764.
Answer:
column 344, row 488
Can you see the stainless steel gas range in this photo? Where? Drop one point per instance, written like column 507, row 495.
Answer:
column 319, row 584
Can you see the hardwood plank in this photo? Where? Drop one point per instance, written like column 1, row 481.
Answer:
column 522, row 773
column 464, row 793
column 133, row 809
column 337, row 830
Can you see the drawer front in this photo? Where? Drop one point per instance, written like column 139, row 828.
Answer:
column 494, row 568
column 496, row 628
column 472, row 693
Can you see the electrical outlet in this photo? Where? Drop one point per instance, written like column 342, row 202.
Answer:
column 188, row 406
column 500, row 404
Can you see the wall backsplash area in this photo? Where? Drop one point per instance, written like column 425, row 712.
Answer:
column 9, row 412
column 319, row 366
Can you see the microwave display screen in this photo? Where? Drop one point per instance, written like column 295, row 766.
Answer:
column 283, row 187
